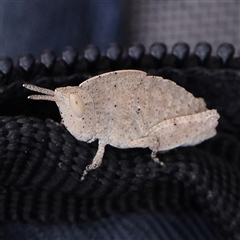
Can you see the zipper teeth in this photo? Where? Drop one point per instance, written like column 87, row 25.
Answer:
column 116, row 57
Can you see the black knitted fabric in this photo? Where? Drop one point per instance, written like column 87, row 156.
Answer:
column 41, row 163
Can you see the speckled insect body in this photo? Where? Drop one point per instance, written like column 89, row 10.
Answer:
column 128, row 109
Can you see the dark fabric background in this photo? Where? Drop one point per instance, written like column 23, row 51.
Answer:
column 155, row 226
column 190, row 21
column 30, row 27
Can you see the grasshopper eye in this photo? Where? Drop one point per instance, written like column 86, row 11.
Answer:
column 77, row 105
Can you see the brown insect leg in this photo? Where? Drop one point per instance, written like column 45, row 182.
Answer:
column 97, row 160
column 156, row 159
column 150, row 142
